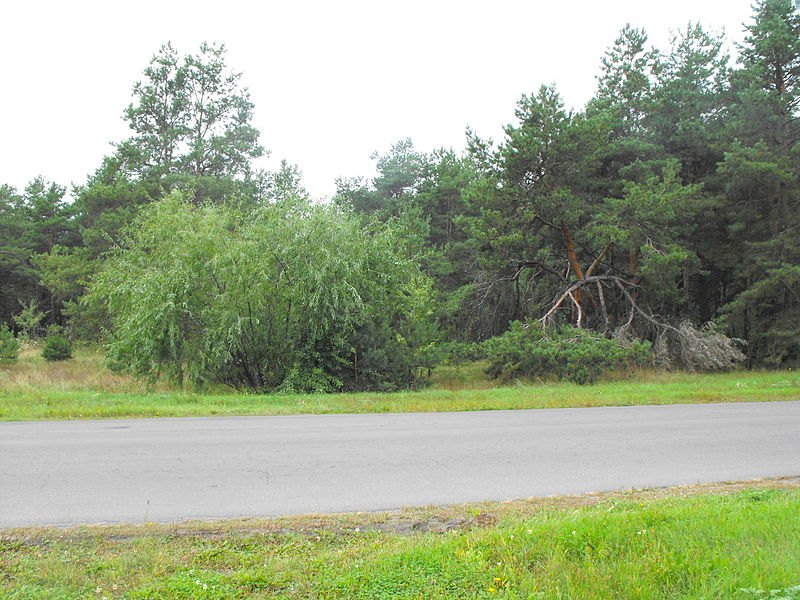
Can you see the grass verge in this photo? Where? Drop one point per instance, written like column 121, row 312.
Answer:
column 33, row 389
column 727, row 541
column 38, row 402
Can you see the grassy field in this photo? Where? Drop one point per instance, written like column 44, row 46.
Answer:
column 81, row 388
column 733, row 543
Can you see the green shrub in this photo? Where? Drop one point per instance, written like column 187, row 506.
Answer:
column 292, row 297
column 57, row 347
column 458, row 353
column 9, row 346
column 29, row 320
column 528, row 351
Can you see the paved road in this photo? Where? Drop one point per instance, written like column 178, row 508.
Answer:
column 167, row 470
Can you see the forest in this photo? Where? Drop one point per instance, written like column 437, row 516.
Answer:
column 658, row 224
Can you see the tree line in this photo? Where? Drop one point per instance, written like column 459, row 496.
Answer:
column 667, row 209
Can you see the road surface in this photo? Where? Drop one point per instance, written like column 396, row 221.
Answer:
column 173, row 469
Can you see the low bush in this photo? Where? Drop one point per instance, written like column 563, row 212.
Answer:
column 528, row 351
column 9, row 346
column 459, row 353
column 293, row 297
column 57, row 347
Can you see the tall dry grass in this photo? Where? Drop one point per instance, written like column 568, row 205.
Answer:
column 83, row 372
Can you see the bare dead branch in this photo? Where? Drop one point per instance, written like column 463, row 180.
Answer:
column 597, row 260
column 602, row 303
column 577, row 285
column 635, row 306
column 580, row 312
column 529, row 264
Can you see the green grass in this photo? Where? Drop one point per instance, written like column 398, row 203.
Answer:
column 711, row 546
column 80, row 388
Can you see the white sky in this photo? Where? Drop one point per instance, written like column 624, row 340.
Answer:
column 332, row 81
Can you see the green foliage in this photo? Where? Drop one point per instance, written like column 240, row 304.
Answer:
column 191, row 123
column 190, row 116
column 29, row 320
column 459, row 353
column 676, row 190
column 64, row 271
column 760, row 180
column 30, row 223
column 528, row 351
column 57, row 347
column 9, row 346
column 777, row 340
column 771, row 53
column 627, row 75
column 425, row 192
column 293, row 297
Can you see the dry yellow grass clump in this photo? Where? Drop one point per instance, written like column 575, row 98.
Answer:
column 83, row 372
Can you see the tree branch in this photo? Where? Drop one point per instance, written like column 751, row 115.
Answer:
column 597, row 260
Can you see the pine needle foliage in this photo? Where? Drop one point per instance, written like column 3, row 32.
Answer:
column 570, row 354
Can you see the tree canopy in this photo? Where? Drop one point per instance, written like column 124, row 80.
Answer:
column 292, row 297
column 667, row 209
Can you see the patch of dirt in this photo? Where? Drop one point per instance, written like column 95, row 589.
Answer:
column 408, row 521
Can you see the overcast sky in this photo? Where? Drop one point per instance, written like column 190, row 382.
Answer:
column 332, row 81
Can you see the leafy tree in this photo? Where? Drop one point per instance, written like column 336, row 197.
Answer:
column 426, row 194
column 57, row 347
column 771, row 52
column 35, row 221
column 536, row 207
column 30, row 320
column 17, row 276
column 158, row 116
column 400, row 172
column 191, row 122
column 522, row 184
column 50, row 216
column 284, row 184
column 760, row 175
column 450, row 251
column 687, row 101
column 572, row 227
column 652, row 223
column 626, row 78
column 9, row 346
column 671, row 200
column 190, row 116
column 291, row 297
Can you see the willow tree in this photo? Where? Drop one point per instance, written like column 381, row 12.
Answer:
column 289, row 297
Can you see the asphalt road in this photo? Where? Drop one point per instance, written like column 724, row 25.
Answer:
column 139, row 470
